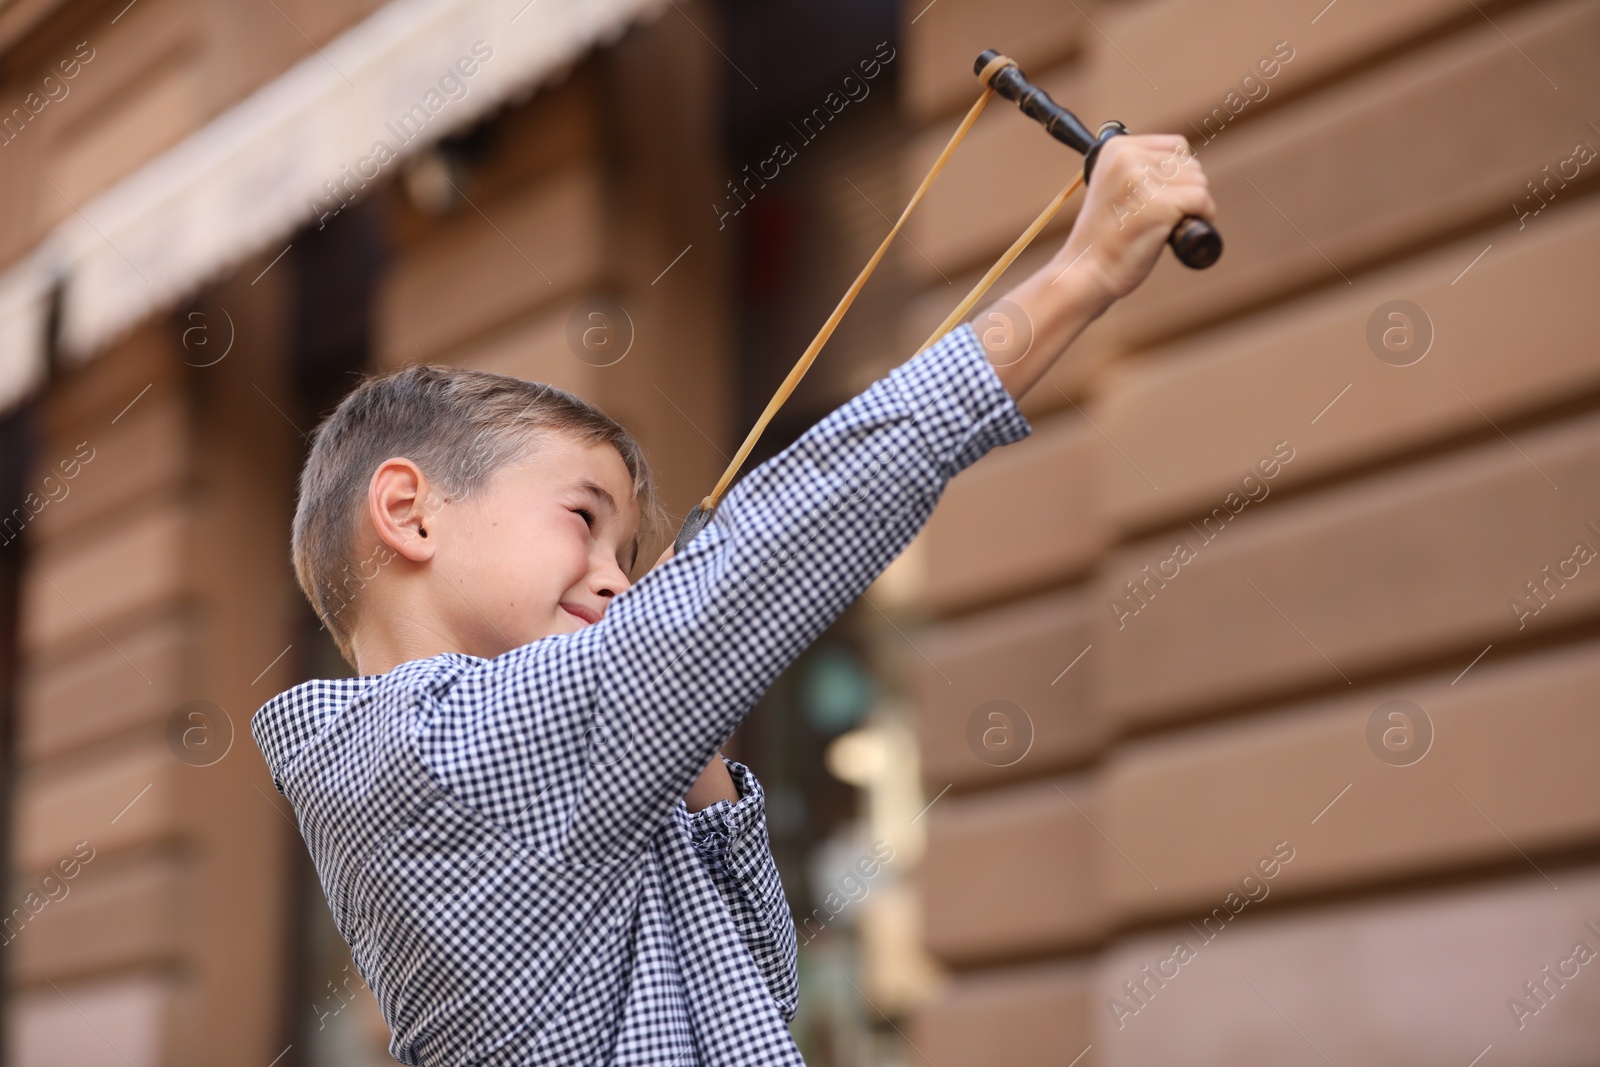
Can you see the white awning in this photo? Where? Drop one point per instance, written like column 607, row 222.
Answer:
column 411, row 73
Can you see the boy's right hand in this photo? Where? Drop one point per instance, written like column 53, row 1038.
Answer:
column 1143, row 184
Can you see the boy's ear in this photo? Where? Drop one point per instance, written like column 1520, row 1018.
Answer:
column 397, row 499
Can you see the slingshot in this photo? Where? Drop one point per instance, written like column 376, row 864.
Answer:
column 1194, row 241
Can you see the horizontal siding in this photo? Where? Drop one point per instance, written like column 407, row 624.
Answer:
column 117, row 135
column 534, row 348
column 128, row 413
column 1169, row 826
column 527, row 248
column 1013, row 872
column 1412, row 187
column 1418, row 982
column 127, row 801
column 82, row 591
column 1157, row 42
column 72, row 1027
column 1197, row 414
column 1513, row 753
column 1019, row 653
column 1415, row 563
column 1022, row 1017
column 942, row 39
column 1229, row 716
column 1287, row 205
column 144, row 453
column 106, row 392
column 108, row 921
column 1016, row 519
column 100, row 694
column 1423, row 980
column 142, row 69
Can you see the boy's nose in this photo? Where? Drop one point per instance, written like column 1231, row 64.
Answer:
column 610, row 583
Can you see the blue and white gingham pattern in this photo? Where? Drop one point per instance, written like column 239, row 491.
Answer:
column 504, row 843
column 731, row 840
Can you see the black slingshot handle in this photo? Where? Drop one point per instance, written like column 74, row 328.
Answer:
column 1194, row 241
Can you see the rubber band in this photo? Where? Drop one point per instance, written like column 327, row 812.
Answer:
column 803, row 364
column 810, row 354
column 1002, row 264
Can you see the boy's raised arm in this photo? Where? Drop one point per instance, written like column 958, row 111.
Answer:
column 680, row 657
column 627, row 712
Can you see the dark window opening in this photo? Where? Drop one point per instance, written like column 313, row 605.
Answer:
column 331, row 1018
column 18, row 446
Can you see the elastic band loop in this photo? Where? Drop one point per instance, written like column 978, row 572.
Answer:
column 993, row 67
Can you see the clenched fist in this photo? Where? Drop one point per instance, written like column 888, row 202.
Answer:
column 1143, row 184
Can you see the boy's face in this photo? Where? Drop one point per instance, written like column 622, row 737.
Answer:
column 543, row 546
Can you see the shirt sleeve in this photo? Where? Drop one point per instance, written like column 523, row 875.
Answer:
column 731, row 840
column 585, row 741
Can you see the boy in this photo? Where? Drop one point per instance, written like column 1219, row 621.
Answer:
column 518, row 812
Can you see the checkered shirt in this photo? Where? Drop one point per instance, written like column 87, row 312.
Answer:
column 504, row 842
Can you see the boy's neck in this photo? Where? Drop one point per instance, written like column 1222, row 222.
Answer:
column 381, row 650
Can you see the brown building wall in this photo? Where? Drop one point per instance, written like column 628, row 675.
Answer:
column 1186, row 719
column 149, row 901
column 1174, row 741
column 160, row 578
column 143, row 617
column 112, row 85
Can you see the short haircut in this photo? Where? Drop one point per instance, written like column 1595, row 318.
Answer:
column 459, row 426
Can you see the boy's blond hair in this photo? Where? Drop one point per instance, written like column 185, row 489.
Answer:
column 459, row 426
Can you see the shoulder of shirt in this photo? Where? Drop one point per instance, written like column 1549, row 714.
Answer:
column 286, row 723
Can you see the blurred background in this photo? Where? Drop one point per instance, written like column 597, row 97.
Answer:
column 1244, row 712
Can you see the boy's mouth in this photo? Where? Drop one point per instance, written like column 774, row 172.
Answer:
column 581, row 612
